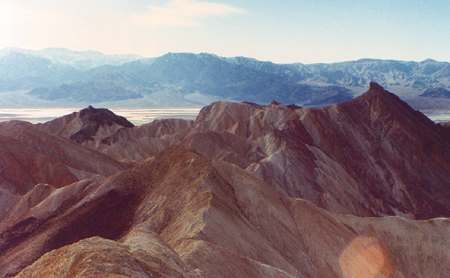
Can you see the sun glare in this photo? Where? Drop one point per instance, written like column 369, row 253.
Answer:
column 366, row 257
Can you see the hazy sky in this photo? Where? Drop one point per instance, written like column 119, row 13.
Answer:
column 281, row 31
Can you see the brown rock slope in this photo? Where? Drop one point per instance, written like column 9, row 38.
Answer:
column 134, row 144
column 182, row 215
column 220, row 197
column 29, row 157
column 371, row 156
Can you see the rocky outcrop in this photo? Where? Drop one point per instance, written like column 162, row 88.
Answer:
column 88, row 126
column 104, row 131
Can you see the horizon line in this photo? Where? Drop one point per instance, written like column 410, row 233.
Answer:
column 140, row 56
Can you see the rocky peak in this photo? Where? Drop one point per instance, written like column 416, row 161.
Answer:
column 384, row 109
column 382, row 100
column 274, row 102
column 101, row 116
column 376, row 91
column 375, row 87
column 88, row 125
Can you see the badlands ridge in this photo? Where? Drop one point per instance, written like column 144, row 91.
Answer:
column 357, row 189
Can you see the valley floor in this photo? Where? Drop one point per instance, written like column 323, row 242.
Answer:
column 141, row 115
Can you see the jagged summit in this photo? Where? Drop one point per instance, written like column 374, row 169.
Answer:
column 375, row 87
column 380, row 101
column 375, row 90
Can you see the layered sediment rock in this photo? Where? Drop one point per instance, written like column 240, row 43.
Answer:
column 245, row 190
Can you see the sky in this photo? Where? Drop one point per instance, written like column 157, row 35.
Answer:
column 285, row 31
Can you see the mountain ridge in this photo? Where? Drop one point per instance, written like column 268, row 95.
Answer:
column 244, row 190
column 371, row 130
column 197, row 79
column 81, row 59
column 207, row 246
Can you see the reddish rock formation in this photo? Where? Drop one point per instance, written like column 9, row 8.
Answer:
column 102, row 130
column 146, row 140
column 99, row 257
column 243, row 191
column 88, row 126
column 30, row 145
column 371, row 156
column 214, row 219
column 29, row 156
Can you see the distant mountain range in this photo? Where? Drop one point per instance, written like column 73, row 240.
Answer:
column 437, row 92
column 78, row 59
column 60, row 76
